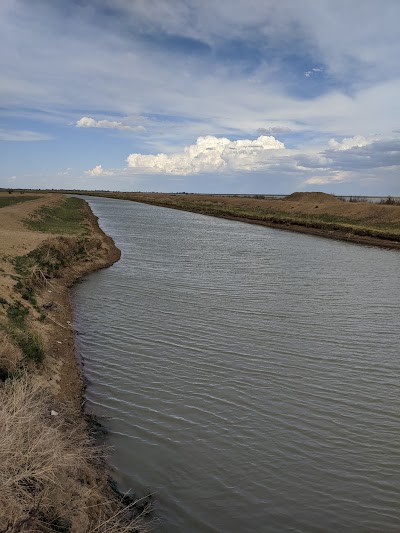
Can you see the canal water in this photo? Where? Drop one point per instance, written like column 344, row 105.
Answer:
column 249, row 377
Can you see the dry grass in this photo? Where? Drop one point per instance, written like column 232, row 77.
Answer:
column 48, row 260
column 10, row 356
column 37, row 457
column 48, row 480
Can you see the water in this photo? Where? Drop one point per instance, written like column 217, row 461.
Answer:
column 248, row 376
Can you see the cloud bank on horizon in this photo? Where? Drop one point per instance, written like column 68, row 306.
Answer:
column 228, row 96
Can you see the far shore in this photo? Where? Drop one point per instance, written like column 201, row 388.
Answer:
column 315, row 213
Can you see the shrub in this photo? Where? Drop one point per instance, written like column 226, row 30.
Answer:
column 16, row 314
column 29, row 296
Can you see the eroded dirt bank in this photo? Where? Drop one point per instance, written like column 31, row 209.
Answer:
column 53, row 477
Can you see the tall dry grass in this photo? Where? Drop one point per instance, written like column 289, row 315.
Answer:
column 47, row 478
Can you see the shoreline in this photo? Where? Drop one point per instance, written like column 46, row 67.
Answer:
column 83, row 498
column 69, row 278
column 293, row 227
column 350, row 234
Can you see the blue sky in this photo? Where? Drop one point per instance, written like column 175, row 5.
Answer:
column 255, row 96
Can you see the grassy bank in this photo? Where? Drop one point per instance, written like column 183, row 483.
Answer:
column 5, row 201
column 318, row 213
column 66, row 217
column 52, row 475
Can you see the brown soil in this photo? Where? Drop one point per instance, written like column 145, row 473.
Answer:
column 16, row 240
column 318, row 197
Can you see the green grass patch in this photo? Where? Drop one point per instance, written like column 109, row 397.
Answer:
column 28, row 341
column 66, row 217
column 45, row 262
column 5, row 201
column 16, row 314
column 28, row 295
column 30, row 344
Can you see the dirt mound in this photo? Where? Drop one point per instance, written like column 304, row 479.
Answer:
column 318, row 197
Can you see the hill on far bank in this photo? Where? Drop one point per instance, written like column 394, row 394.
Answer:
column 318, row 197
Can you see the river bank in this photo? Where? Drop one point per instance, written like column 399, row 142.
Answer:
column 53, row 477
column 311, row 213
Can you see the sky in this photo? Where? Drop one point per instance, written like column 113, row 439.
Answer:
column 227, row 96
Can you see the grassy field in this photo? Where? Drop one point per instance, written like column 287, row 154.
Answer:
column 5, row 201
column 66, row 217
column 300, row 211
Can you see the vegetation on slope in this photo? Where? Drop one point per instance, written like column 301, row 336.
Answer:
column 5, row 201
column 66, row 217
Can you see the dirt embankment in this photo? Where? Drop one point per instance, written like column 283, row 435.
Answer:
column 17, row 240
column 53, row 478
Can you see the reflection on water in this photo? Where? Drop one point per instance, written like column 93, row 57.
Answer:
column 249, row 376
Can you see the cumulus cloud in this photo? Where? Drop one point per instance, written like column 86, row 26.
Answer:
column 88, row 122
column 351, row 142
column 212, row 154
column 99, row 171
column 266, row 156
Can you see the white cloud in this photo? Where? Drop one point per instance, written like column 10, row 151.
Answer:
column 266, row 157
column 311, row 72
column 99, row 171
column 23, row 136
column 212, row 154
column 351, row 142
column 88, row 122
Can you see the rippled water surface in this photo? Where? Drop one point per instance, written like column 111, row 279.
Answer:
column 248, row 376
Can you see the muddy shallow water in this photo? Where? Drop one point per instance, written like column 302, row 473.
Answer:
column 248, row 376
